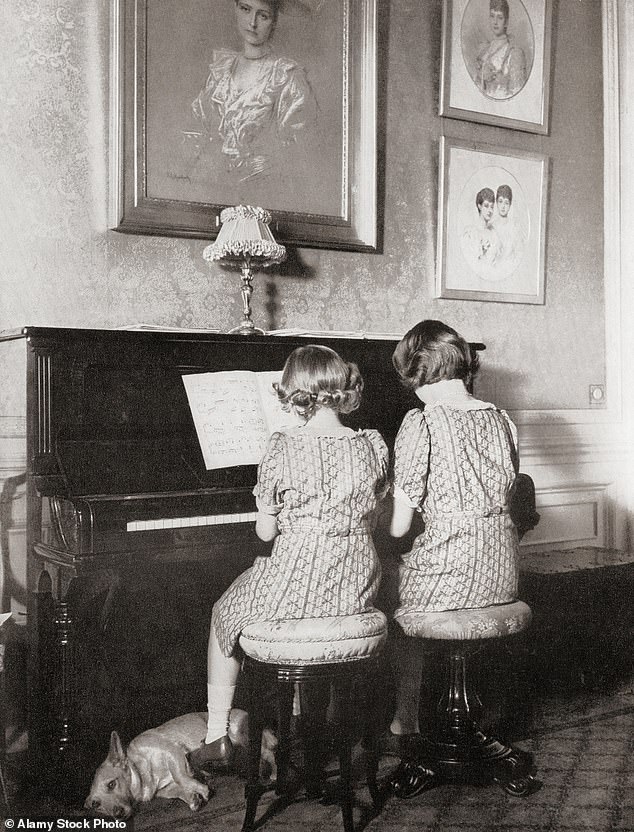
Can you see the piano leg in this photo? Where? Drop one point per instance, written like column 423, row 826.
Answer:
column 40, row 614
column 64, row 689
column 59, row 671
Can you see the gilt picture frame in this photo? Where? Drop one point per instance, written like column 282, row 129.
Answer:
column 496, row 62
column 185, row 145
column 491, row 223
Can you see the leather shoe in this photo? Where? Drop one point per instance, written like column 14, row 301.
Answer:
column 218, row 751
column 411, row 779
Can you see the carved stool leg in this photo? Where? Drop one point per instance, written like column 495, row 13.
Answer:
column 314, row 704
column 343, row 703
column 253, row 789
column 370, row 685
column 285, row 690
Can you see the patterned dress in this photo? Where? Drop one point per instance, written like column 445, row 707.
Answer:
column 324, row 491
column 458, row 467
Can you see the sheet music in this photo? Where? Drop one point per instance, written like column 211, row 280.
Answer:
column 160, row 328
column 234, row 413
column 322, row 333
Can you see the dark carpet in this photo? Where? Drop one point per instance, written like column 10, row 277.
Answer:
column 583, row 749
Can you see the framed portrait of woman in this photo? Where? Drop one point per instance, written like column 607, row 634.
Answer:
column 257, row 102
column 496, row 58
column 491, row 223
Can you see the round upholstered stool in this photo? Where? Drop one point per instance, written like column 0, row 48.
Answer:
column 457, row 749
column 321, row 656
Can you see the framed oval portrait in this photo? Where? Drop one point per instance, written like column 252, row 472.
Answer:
column 496, row 62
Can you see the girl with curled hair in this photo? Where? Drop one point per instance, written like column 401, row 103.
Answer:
column 455, row 463
column 316, row 377
column 317, row 490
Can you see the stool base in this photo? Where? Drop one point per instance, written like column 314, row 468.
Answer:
column 315, row 684
column 510, row 768
column 459, row 751
column 478, row 760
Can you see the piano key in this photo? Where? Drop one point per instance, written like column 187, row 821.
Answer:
column 181, row 522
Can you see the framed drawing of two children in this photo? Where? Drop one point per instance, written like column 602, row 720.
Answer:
column 492, row 223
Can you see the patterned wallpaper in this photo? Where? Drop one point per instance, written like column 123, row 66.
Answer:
column 62, row 266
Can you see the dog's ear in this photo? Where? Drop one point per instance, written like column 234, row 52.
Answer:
column 116, row 754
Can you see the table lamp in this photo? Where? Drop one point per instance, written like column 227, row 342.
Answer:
column 245, row 242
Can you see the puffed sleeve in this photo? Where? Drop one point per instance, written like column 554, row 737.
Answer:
column 205, row 104
column 268, row 496
column 513, row 440
column 411, row 458
column 297, row 107
column 516, row 70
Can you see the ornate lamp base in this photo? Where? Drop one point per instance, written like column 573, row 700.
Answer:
column 247, row 328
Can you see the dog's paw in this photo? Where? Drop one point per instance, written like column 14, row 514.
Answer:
column 197, row 802
column 198, row 799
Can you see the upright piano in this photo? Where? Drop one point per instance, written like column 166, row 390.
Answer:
column 130, row 539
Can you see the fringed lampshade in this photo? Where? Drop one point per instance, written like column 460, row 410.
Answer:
column 245, row 241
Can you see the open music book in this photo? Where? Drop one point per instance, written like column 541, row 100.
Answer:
column 234, row 413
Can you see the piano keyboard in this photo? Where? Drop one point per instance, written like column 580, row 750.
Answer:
column 182, row 522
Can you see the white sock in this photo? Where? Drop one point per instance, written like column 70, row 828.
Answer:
column 408, row 666
column 219, row 702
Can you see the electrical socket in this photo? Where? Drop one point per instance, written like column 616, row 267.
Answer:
column 596, row 393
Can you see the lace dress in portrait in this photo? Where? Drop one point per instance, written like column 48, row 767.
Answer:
column 256, row 125
column 501, row 68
